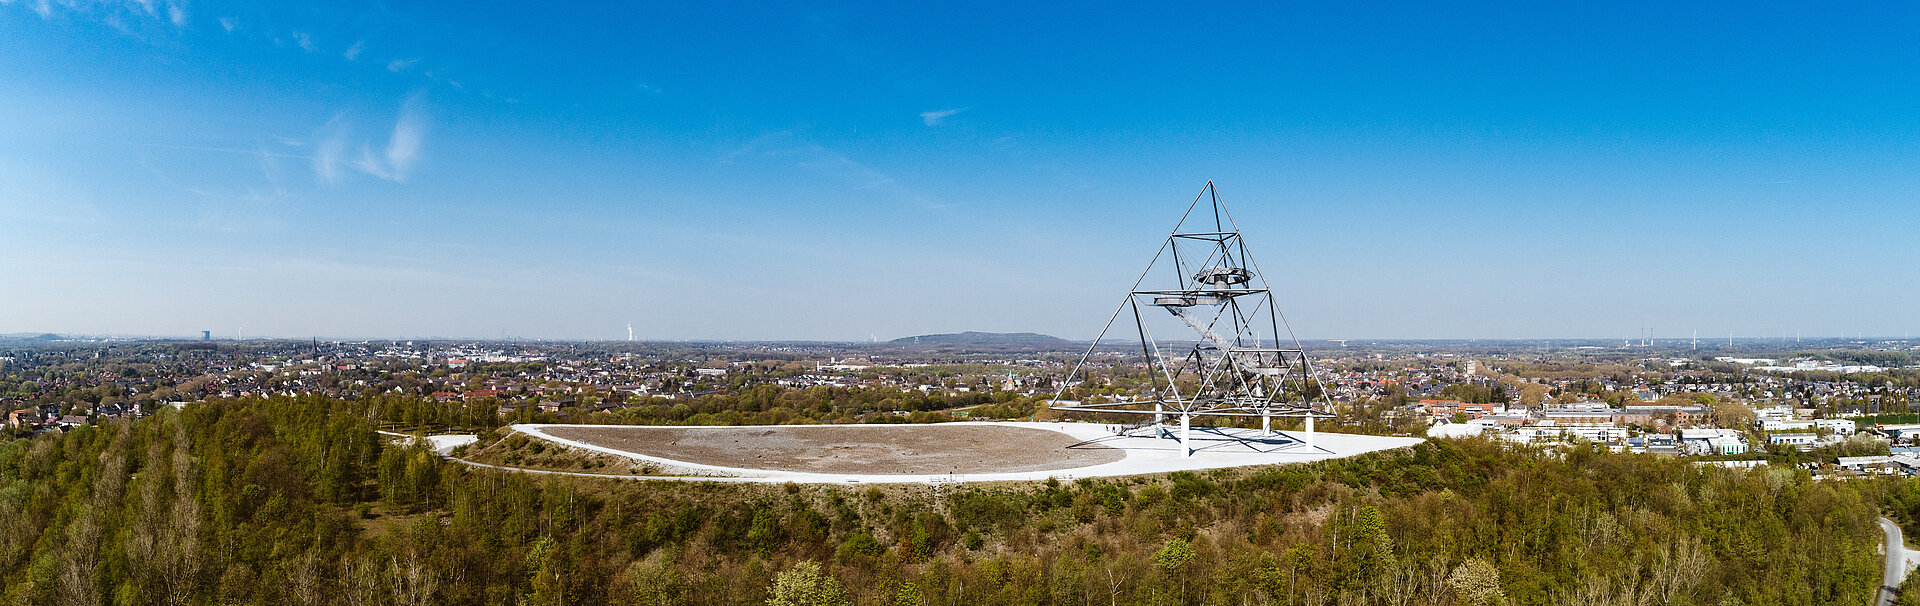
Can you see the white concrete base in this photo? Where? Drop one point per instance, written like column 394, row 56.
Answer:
column 445, row 444
column 1209, row 448
column 441, row 444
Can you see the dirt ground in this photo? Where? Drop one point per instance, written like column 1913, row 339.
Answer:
column 855, row 449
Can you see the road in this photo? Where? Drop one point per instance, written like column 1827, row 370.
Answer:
column 1898, row 560
column 443, row 445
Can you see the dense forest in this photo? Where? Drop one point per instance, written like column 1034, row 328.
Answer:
column 299, row 501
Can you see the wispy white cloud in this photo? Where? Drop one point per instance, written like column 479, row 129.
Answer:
column 329, row 151
column 409, row 133
column 367, row 163
column 305, row 40
column 400, row 65
column 393, row 163
column 136, row 17
column 229, row 23
column 933, row 118
column 353, row 52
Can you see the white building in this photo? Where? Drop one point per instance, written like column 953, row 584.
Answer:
column 1787, row 425
column 1582, row 406
column 1782, row 413
column 1713, row 441
column 1727, row 445
column 1802, row 440
column 1870, row 464
column 1547, row 431
column 1898, row 432
column 1459, row 430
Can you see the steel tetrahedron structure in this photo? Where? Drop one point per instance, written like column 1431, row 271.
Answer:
column 1227, row 354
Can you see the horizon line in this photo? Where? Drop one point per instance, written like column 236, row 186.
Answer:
column 1634, row 343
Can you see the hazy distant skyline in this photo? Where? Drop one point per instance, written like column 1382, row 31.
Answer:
column 846, row 171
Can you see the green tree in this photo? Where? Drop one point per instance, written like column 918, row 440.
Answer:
column 655, row 581
column 908, row 595
column 1173, row 555
column 805, row 585
column 1476, row 580
column 547, row 575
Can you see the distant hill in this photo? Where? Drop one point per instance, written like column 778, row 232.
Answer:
column 28, row 336
column 983, row 338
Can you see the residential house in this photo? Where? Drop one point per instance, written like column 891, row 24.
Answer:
column 25, row 417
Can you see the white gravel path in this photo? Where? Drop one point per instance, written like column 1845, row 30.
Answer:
column 1214, row 448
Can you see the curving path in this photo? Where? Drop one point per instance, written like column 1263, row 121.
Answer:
column 443, row 445
column 1143, row 454
column 1900, row 561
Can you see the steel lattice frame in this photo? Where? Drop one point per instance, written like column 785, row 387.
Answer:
column 1215, row 287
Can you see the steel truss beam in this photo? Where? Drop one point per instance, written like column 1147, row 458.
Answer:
column 1237, row 366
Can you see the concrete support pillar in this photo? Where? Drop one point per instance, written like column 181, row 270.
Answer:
column 1186, row 446
column 1309, row 431
column 1266, row 425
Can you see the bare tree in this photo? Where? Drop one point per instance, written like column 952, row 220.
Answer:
column 177, row 550
column 1433, row 582
column 1681, row 563
column 78, row 562
column 359, row 582
column 303, row 586
column 149, row 512
column 412, row 582
column 1401, row 583
column 80, row 559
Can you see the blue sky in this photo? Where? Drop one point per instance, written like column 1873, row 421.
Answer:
column 845, row 171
